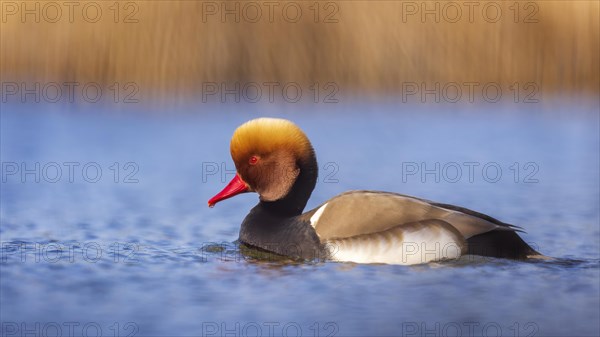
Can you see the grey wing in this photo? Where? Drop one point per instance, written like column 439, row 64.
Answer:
column 363, row 212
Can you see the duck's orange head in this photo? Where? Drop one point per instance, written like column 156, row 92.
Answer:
column 268, row 154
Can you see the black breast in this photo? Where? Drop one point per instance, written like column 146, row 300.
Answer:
column 287, row 236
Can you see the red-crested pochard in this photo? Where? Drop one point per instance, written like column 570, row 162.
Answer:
column 275, row 159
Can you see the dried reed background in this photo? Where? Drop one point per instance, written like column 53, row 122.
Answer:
column 170, row 52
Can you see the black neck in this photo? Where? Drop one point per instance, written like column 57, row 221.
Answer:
column 294, row 202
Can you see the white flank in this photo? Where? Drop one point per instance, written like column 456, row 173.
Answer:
column 418, row 246
column 315, row 218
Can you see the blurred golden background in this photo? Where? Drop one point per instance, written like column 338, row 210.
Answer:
column 169, row 48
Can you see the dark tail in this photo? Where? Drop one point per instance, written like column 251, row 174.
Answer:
column 500, row 243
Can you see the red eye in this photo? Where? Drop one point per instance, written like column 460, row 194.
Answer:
column 253, row 160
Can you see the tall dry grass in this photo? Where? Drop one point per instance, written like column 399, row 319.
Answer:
column 170, row 52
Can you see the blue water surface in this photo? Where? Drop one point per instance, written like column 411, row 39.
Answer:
column 110, row 232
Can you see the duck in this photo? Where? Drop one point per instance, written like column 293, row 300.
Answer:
column 274, row 158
